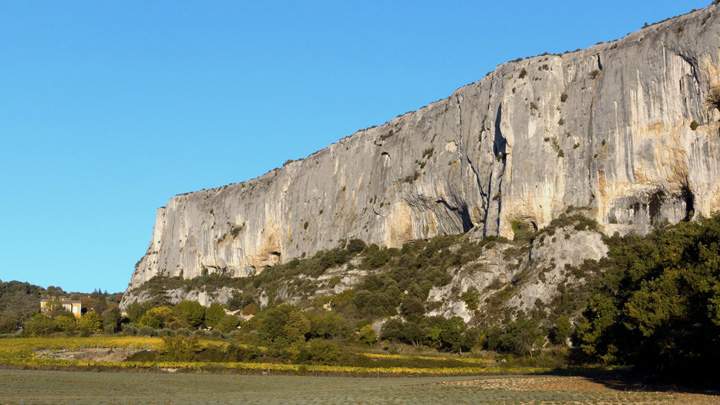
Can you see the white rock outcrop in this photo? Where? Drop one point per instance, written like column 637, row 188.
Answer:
column 628, row 129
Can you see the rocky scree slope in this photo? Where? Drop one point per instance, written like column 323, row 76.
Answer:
column 627, row 129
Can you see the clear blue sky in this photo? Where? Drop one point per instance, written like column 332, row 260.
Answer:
column 109, row 108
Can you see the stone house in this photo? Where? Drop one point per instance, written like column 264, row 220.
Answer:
column 72, row 306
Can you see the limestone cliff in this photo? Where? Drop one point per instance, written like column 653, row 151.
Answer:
column 628, row 129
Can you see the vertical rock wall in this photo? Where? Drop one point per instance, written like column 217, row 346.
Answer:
column 629, row 129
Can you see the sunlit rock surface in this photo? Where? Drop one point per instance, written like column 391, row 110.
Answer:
column 628, row 129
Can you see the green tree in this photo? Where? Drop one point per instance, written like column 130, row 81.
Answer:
column 319, row 350
column 412, row 333
column 471, row 297
column 452, row 335
column 296, row 326
column 392, row 330
column 520, row 337
column 94, row 304
column 395, row 330
column 239, row 300
column 65, row 322
column 355, row 246
column 562, row 331
column 432, row 328
column 227, row 324
column 180, row 348
column 157, row 318
column 136, row 310
column 470, row 338
column 190, row 313
column 593, row 330
column 377, row 295
column 213, row 314
column 39, row 325
column 375, row 259
column 367, row 335
column 658, row 310
column 54, row 291
column 283, row 323
column 111, row 319
column 90, row 322
column 327, row 325
column 412, row 308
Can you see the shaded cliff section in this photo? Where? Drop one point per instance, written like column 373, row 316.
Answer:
column 628, row 130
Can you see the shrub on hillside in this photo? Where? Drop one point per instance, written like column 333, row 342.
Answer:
column 471, row 297
column 227, row 324
column 39, row 325
column 111, row 319
column 159, row 317
column 190, row 313
column 284, row 323
column 65, row 322
column 129, row 329
column 367, row 335
column 180, row 348
column 136, row 310
column 213, row 314
column 320, row 351
column 326, row 325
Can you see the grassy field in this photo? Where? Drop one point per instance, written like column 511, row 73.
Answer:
column 28, row 353
column 43, row 386
column 47, row 370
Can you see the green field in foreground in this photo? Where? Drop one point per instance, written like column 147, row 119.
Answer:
column 25, row 353
column 29, row 377
column 43, row 386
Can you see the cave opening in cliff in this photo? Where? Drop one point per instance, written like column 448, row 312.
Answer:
column 466, row 220
column 689, row 198
column 654, row 207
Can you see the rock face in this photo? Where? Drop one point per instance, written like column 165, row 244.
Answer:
column 628, row 130
column 536, row 270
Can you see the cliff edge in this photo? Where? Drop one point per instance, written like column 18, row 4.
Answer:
column 628, row 130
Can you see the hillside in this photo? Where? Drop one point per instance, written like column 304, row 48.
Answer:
column 483, row 281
